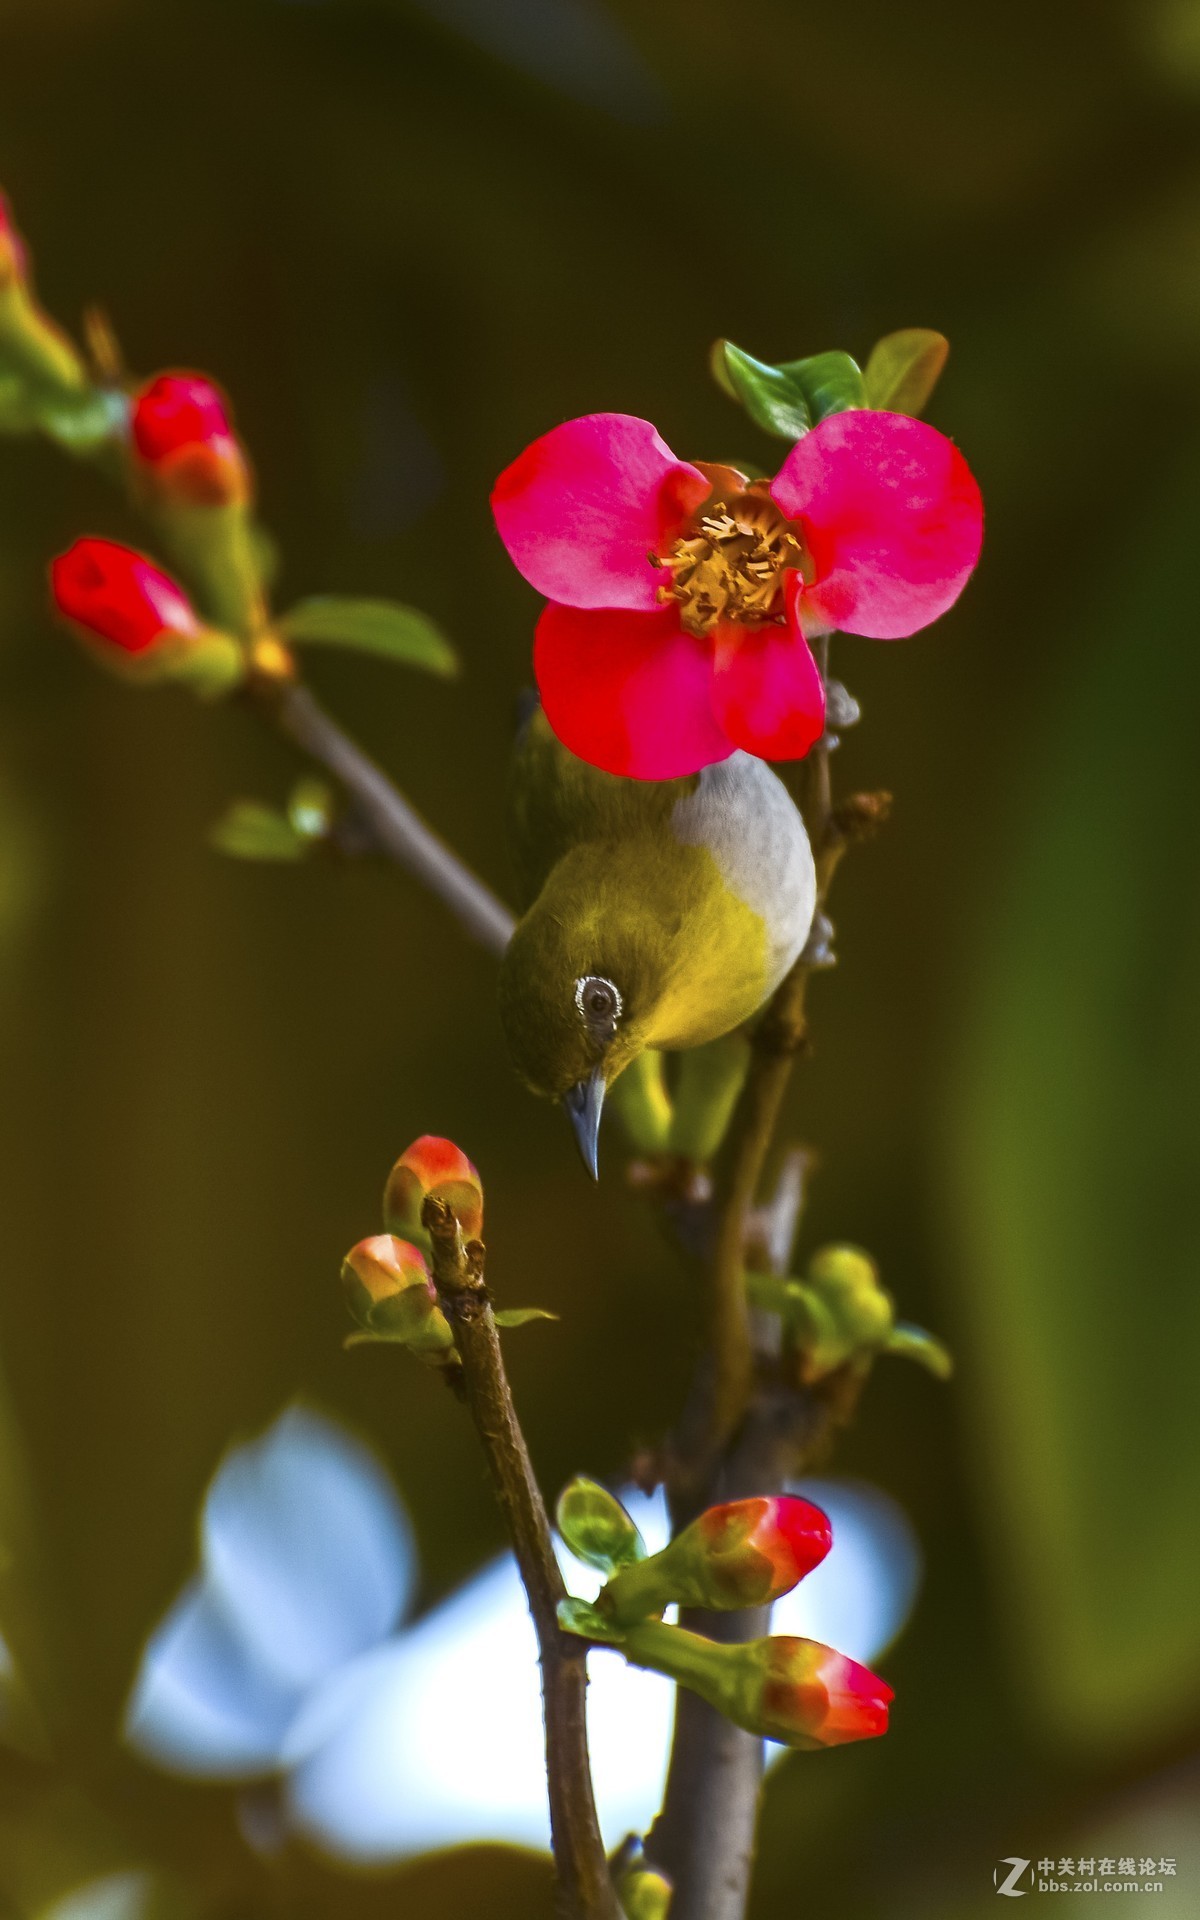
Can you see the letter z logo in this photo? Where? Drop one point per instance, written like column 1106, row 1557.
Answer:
column 1009, row 1884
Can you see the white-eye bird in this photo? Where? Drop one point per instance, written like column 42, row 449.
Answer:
column 656, row 914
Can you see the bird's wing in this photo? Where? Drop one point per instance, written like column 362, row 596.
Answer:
column 556, row 801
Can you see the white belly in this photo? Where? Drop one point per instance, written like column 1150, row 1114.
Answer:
column 745, row 816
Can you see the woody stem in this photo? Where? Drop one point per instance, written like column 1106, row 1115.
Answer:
column 396, row 828
column 585, row 1890
column 740, row 1436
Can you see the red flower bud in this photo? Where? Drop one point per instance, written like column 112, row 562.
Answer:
column 139, row 621
column 814, row 1697
column 116, row 596
column 757, row 1550
column 390, row 1294
column 433, row 1166
column 14, row 259
column 743, row 1554
column 794, row 1691
column 185, row 443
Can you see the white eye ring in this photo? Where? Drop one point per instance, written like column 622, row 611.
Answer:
column 584, row 985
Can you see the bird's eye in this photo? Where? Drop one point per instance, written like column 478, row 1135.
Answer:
column 599, row 1003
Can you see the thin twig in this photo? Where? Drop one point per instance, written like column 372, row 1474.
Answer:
column 585, row 1885
column 396, row 827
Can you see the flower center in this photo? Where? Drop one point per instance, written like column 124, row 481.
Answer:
column 730, row 566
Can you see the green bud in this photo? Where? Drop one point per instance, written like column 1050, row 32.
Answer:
column 596, row 1526
column 846, row 1281
column 840, row 1313
column 391, row 1296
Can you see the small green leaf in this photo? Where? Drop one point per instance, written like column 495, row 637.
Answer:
column 830, row 383
column 581, row 1617
column 773, row 401
column 904, row 368
column 81, row 421
column 372, row 626
column 521, row 1316
column 597, row 1527
column 252, row 831
column 915, row 1344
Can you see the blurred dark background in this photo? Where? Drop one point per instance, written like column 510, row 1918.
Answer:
column 407, row 238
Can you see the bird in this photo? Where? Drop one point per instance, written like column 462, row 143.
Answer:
column 656, row 913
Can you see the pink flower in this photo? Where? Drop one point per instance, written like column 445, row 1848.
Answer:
column 682, row 597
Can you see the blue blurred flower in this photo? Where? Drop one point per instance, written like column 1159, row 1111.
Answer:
column 283, row 1657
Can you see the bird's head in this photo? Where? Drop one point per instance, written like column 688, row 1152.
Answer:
column 580, row 987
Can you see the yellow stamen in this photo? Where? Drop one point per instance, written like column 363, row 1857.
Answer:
column 730, row 567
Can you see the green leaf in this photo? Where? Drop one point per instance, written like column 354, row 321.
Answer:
column 904, row 368
column 381, row 627
column 581, row 1617
column 789, row 399
column 521, row 1316
column 774, row 402
column 597, row 1527
column 83, row 421
column 830, row 383
column 913, row 1343
column 252, row 831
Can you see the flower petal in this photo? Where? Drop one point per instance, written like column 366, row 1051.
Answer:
column 582, row 507
column 629, row 692
column 892, row 518
column 767, row 688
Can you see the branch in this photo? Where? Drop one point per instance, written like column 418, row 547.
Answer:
column 740, row 1435
column 215, row 545
column 396, row 828
column 585, row 1886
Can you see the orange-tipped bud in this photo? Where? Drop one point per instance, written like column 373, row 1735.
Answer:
column 391, row 1296
column 746, row 1553
column 432, row 1167
column 814, row 1697
column 795, row 1691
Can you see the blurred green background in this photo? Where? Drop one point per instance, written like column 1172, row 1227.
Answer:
column 409, row 237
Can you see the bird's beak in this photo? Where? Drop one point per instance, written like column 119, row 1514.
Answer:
column 584, row 1103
